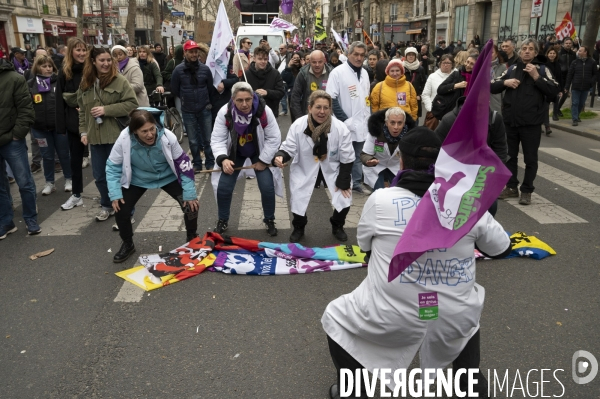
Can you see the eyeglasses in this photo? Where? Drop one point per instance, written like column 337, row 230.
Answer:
column 250, row 43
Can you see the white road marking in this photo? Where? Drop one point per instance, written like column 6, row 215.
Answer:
column 252, row 215
column 573, row 158
column 545, row 212
column 165, row 213
column 129, row 293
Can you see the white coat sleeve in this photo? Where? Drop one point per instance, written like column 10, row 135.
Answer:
column 272, row 139
column 491, row 237
column 365, row 231
column 427, row 94
column 220, row 135
column 369, row 146
column 333, row 87
column 290, row 145
column 346, row 149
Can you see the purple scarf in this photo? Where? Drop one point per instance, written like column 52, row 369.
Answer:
column 123, row 64
column 43, row 84
column 467, row 76
column 241, row 122
column 21, row 67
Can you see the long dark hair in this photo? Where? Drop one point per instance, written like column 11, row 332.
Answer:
column 90, row 73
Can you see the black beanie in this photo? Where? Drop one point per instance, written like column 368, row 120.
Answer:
column 420, row 137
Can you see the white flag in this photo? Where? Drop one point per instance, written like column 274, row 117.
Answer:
column 279, row 25
column 218, row 56
column 100, row 38
column 109, row 42
column 338, row 39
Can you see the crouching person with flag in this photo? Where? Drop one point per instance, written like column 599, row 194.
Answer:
column 383, row 325
column 322, row 150
column 145, row 156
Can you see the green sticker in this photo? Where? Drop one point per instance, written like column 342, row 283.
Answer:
column 428, row 313
column 378, row 148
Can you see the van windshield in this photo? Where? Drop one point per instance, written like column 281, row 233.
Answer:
column 274, row 41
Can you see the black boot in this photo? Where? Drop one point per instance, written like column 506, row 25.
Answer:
column 127, row 248
column 297, row 234
column 191, row 236
column 337, row 224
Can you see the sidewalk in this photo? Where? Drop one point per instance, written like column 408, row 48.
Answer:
column 589, row 128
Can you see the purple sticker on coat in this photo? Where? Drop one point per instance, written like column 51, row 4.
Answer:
column 183, row 166
column 428, row 299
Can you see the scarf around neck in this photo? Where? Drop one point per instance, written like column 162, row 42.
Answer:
column 416, row 181
column 467, row 76
column 391, row 139
column 43, row 83
column 318, row 133
column 358, row 70
column 21, row 67
column 123, row 64
column 413, row 66
column 193, row 67
column 242, row 121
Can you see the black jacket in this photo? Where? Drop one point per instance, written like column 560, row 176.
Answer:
column 566, row 58
column 525, row 105
column 447, row 86
column 582, row 74
column 44, row 105
column 218, row 100
column 301, row 91
column 418, row 78
column 161, row 58
column 554, row 68
column 58, row 60
column 270, row 80
column 16, row 110
column 67, row 116
column 496, row 133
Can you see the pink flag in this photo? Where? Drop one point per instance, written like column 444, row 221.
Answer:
column 308, row 42
column 296, row 41
column 468, row 178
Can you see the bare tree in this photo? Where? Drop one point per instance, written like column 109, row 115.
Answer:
column 381, row 23
column 367, row 16
column 130, row 25
column 591, row 26
column 156, row 15
column 79, row 17
column 433, row 23
column 329, row 18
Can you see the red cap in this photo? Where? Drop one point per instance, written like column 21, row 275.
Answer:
column 190, row 44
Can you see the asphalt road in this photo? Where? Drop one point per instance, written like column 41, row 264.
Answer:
column 226, row 336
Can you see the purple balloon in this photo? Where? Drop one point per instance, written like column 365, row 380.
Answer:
column 286, row 6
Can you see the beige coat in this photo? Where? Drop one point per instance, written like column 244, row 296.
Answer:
column 135, row 77
column 245, row 64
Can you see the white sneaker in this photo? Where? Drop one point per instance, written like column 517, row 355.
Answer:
column 68, row 185
column 104, row 214
column 49, row 188
column 116, row 228
column 85, row 163
column 72, row 202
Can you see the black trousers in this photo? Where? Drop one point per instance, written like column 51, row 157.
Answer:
column 337, row 220
column 77, row 150
column 529, row 137
column 132, row 195
column 468, row 358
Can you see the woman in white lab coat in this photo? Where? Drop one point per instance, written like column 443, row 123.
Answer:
column 381, row 153
column 321, row 148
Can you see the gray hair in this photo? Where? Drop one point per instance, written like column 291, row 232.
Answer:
column 511, row 41
column 529, row 41
column 355, row 45
column 394, row 111
column 241, row 86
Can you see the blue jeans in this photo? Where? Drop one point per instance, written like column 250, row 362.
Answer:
column 49, row 141
column 384, row 175
column 265, row 185
column 100, row 154
column 284, row 100
column 15, row 154
column 578, row 98
column 199, row 129
column 357, row 173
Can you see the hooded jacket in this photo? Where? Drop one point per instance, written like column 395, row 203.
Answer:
column 582, row 74
column 270, row 80
column 133, row 74
column 67, row 116
column 16, row 107
column 496, row 133
column 303, row 88
column 44, row 105
column 395, row 93
column 525, row 105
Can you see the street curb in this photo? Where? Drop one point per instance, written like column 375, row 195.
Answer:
column 579, row 132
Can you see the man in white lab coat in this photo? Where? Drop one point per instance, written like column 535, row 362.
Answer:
column 322, row 149
column 349, row 88
column 380, row 323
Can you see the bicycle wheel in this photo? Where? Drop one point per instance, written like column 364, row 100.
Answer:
column 176, row 123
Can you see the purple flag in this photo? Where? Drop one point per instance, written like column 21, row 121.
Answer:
column 286, row 6
column 468, row 178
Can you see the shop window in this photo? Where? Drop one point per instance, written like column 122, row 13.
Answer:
column 509, row 20
column 460, row 24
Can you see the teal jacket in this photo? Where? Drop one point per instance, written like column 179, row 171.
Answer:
column 149, row 169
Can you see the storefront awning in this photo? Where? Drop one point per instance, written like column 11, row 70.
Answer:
column 71, row 24
column 54, row 21
column 414, row 31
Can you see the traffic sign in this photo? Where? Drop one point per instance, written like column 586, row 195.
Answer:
column 170, row 5
column 349, row 30
column 358, row 24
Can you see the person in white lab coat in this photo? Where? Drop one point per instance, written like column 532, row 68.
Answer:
column 322, row 150
column 378, row 325
column 381, row 153
column 349, row 89
column 245, row 128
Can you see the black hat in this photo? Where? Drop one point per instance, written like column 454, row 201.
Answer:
column 18, row 50
column 415, row 139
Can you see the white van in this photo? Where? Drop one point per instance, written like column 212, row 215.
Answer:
column 256, row 33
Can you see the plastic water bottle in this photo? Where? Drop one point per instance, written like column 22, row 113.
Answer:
column 99, row 120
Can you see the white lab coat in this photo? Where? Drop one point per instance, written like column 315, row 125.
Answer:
column 378, row 323
column 269, row 140
column 386, row 160
column 305, row 166
column 353, row 96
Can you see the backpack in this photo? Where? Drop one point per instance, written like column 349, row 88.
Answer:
column 511, row 69
column 442, row 104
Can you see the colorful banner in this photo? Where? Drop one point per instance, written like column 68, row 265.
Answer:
column 218, row 56
column 339, row 40
column 346, row 39
column 278, row 25
column 566, row 28
column 468, row 178
column 296, row 41
column 320, row 33
column 308, row 42
column 286, row 6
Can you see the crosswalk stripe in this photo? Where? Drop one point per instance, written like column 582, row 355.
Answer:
column 358, row 203
column 545, row 212
column 72, row 222
column 568, row 181
column 252, row 215
column 165, row 213
column 129, row 293
column 573, row 158
column 595, row 149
